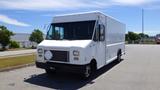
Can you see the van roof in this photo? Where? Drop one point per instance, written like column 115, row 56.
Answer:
column 82, row 16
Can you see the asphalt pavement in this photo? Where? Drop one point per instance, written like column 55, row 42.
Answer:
column 139, row 70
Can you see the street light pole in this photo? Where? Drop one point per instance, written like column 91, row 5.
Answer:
column 142, row 38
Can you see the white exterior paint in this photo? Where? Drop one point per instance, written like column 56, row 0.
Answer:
column 103, row 52
column 65, row 43
column 75, row 17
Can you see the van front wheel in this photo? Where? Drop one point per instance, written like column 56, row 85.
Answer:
column 90, row 70
column 87, row 72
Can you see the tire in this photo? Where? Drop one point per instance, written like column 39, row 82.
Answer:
column 90, row 70
column 119, row 56
column 87, row 73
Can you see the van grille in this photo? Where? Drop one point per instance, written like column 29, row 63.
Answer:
column 62, row 56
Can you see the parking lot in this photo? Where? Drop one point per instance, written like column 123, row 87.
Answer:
column 139, row 70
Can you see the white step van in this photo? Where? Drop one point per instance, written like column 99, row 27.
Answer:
column 81, row 43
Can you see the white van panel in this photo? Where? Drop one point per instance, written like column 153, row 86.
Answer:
column 115, row 38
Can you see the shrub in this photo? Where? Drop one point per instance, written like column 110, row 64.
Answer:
column 14, row 44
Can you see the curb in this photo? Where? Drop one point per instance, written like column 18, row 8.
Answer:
column 16, row 67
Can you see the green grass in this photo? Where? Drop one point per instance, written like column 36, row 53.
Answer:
column 14, row 61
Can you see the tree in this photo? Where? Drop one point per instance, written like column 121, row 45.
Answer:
column 143, row 35
column 126, row 37
column 5, row 35
column 132, row 37
column 14, row 44
column 36, row 36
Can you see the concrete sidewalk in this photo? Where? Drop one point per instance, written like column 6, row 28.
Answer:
column 16, row 53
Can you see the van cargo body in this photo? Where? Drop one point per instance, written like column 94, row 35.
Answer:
column 81, row 43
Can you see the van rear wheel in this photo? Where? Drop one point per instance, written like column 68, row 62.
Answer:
column 119, row 57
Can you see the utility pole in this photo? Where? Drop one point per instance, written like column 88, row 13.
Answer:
column 142, row 38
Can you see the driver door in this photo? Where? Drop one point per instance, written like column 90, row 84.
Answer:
column 100, row 42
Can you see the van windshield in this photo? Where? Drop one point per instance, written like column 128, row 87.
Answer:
column 82, row 30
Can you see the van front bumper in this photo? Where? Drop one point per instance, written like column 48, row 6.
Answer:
column 62, row 67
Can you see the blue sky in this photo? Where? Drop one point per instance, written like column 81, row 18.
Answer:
column 23, row 16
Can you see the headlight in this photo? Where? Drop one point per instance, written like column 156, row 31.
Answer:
column 76, row 53
column 48, row 55
column 40, row 51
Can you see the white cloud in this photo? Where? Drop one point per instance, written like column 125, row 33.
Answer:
column 43, row 4
column 6, row 19
column 131, row 2
column 50, row 5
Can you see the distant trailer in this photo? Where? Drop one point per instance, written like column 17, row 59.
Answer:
column 157, row 38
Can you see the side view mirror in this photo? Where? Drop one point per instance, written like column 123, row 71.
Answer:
column 101, row 32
